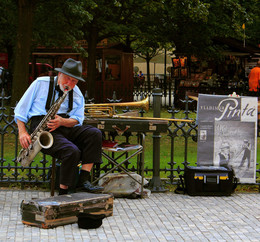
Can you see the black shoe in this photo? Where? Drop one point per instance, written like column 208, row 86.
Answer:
column 88, row 187
column 63, row 191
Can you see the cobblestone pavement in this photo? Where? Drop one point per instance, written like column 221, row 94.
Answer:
column 161, row 217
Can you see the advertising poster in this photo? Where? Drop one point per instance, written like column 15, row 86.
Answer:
column 227, row 134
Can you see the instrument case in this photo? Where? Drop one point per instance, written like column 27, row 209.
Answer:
column 61, row 210
column 209, row 181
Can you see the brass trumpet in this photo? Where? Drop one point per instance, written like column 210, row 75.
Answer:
column 108, row 110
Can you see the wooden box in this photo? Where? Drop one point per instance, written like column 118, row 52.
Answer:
column 61, row 210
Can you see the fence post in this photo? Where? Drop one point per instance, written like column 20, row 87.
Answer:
column 155, row 183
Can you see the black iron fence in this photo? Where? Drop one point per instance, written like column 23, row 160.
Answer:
column 175, row 89
column 181, row 136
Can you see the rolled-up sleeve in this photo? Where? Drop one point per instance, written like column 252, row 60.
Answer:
column 78, row 109
column 23, row 107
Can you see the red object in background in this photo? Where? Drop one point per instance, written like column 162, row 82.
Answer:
column 110, row 144
column 183, row 61
column 176, row 62
column 41, row 69
column 4, row 60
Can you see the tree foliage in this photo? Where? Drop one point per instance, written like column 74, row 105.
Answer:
column 8, row 23
column 109, row 20
column 144, row 26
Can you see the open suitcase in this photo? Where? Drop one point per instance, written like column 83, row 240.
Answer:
column 61, row 210
column 209, row 181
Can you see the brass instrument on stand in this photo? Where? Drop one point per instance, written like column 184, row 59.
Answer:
column 104, row 110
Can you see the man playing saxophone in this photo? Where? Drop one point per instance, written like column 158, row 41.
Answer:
column 72, row 142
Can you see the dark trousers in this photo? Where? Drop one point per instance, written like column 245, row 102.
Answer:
column 72, row 145
column 247, row 155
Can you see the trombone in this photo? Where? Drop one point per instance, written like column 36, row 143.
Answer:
column 108, row 110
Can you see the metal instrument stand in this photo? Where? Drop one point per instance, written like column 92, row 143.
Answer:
column 138, row 149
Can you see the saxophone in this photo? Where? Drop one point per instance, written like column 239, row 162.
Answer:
column 40, row 137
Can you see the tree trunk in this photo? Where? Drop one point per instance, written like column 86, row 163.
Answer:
column 148, row 74
column 22, row 50
column 91, row 65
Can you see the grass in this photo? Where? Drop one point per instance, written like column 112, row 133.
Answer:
column 9, row 140
column 165, row 147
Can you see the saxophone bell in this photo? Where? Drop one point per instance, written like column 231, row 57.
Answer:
column 43, row 141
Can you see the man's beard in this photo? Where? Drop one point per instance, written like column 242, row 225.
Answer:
column 63, row 89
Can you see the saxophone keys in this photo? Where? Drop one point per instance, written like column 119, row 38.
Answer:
column 30, row 146
column 26, row 153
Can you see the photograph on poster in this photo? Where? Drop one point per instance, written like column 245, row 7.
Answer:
column 235, row 149
column 203, row 135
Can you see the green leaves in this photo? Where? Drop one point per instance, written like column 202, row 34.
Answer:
column 188, row 25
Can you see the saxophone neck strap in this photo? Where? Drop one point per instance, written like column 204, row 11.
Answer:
column 50, row 94
column 50, row 98
column 70, row 101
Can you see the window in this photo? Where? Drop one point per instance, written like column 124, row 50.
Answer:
column 112, row 67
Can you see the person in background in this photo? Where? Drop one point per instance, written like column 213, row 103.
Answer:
column 253, row 80
column 140, row 74
column 141, row 78
column 246, row 149
column 73, row 142
column 224, row 155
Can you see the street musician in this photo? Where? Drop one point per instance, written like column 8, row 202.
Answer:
column 72, row 142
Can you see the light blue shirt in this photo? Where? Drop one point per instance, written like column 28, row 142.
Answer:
column 34, row 100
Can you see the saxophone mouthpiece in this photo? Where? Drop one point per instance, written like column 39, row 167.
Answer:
column 66, row 89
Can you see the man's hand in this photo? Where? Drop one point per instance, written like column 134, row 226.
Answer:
column 55, row 123
column 60, row 121
column 25, row 139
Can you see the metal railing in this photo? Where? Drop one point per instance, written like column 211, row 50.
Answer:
column 10, row 170
column 180, row 135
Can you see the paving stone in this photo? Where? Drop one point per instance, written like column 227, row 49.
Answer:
column 161, row 217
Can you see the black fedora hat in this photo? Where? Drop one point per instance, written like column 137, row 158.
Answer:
column 90, row 221
column 72, row 68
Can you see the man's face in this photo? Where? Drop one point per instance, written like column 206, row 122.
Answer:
column 66, row 82
column 225, row 151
